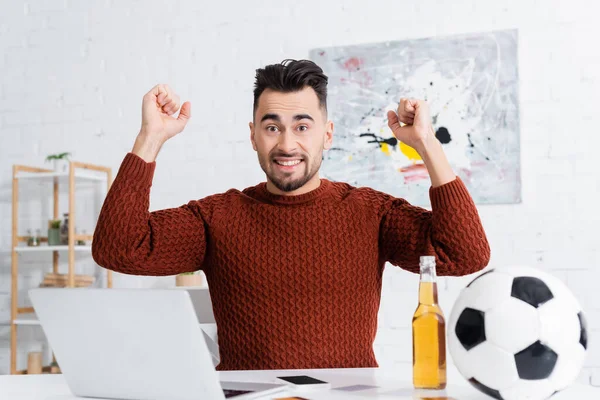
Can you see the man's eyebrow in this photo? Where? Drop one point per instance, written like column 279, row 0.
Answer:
column 277, row 118
column 299, row 117
column 274, row 117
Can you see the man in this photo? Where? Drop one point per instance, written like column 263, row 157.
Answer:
column 294, row 264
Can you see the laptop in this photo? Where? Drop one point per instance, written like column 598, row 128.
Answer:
column 202, row 303
column 142, row 344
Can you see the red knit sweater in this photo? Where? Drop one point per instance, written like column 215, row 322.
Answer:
column 295, row 280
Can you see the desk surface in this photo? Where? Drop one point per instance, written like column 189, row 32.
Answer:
column 390, row 384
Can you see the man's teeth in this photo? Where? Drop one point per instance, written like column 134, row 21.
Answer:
column 289, row 163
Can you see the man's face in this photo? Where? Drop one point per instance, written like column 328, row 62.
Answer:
column 289, row 134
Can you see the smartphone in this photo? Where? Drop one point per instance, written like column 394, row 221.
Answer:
column 305, row 382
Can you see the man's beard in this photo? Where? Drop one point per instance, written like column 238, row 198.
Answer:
column 284, row 183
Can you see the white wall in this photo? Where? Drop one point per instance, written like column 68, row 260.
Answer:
column 73, row 74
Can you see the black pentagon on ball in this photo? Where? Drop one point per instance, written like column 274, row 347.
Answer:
column 535, row 362
column 531, row 290
column 485, row 273
column 583, row 336
column 470, row 328
column 485, row 389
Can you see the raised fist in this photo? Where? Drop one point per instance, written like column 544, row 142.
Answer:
column 158, row 108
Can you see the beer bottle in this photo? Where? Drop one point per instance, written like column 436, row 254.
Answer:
column 428, row 329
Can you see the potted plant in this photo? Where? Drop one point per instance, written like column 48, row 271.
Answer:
column 54, row 232
column 189, row 279
column 61, row 161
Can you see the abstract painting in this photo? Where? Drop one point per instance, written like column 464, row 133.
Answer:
column 471, row 85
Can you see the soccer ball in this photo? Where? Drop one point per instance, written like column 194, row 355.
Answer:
column 517, row 333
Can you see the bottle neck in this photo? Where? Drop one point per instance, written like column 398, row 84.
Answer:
column 428, row 293
column 428, row 273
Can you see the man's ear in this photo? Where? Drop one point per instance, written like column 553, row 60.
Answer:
column 328, row 135
column 251, row 125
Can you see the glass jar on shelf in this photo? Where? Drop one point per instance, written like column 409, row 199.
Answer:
column 64, row 229
column 37, row 239
column 30, row 238
column 33, row 240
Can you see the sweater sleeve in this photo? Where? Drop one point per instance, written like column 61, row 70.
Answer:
column 451, row 231
column 131, row 240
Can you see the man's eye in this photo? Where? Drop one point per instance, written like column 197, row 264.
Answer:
column 303, row 128
column 272, row 128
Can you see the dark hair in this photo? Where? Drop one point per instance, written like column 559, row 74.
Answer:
column 291, row 76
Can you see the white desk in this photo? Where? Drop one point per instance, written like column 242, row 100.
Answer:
column 391, row 384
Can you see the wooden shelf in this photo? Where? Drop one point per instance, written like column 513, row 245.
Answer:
column 42, row 248
column 77, row 173
column 81, row 175
column 26, row 319
column 44, row 239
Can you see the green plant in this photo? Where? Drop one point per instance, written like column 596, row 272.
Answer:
column 60, row 156
column 55, row 223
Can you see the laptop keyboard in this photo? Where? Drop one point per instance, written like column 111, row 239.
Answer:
column 229, row 393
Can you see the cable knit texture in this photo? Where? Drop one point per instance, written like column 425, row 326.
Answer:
column 295, row 280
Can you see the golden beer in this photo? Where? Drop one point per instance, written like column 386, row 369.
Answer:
column 429, row 333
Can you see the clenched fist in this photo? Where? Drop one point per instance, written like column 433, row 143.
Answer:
column 418, row 133
column 417, row 130
column 158, row 121
column 158, row 107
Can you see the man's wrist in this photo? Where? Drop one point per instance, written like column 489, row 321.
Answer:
column 427, row 145
column 435, row 160
column 146, row 147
